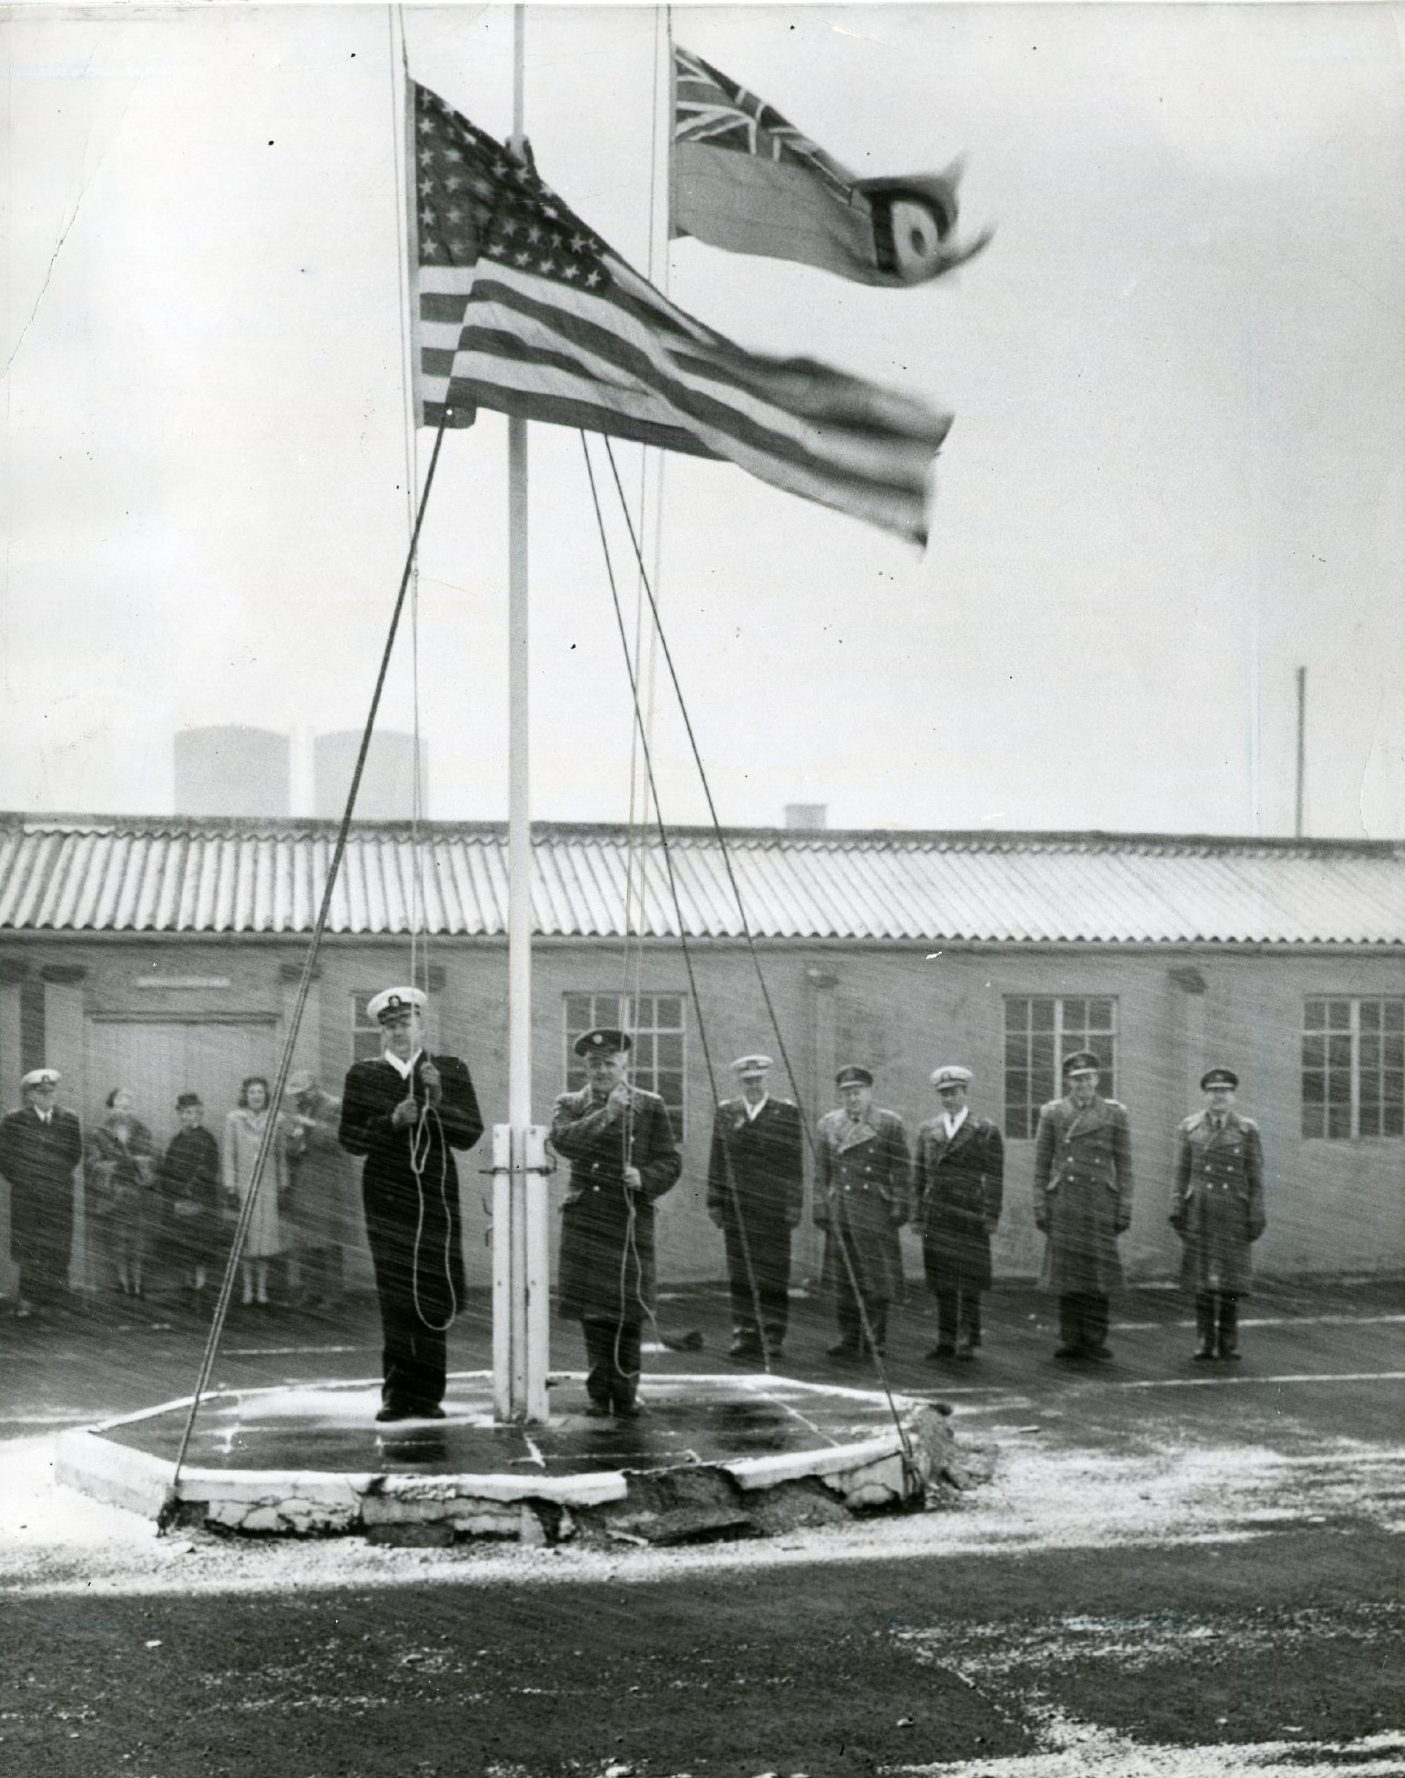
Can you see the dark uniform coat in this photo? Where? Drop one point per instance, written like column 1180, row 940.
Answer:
column 862, row 1181
column 38, row 1159
column 958, row 1187
column 188, row 1181
column 756, row 1168
column 391, row 1191
column 1217, row 1201
column 606, row 1265
column 1082, row 1194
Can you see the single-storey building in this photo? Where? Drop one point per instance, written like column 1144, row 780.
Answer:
column 164, row 955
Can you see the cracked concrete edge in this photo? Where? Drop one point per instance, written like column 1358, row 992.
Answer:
column 751, row 1473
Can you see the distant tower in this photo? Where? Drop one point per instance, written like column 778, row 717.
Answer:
column 232, row 771
column 387, row 790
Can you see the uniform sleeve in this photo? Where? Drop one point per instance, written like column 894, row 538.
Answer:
column 1122, row 1165
column 993, row 1177
column 577, row 1124
column 1180, row 1177
column 719, row 1193
column 1046, row 1139
column 1254, row 1168
column 793, row 1160
column 899, row 1173
column 458, row 1108
column 9, row 1147
column 660, row 1163
column 363, row 1125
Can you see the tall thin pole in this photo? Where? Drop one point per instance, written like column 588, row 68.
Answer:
column 1302, row 753
column 520, row 1255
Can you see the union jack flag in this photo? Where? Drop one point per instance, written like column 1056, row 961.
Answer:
column 712, row 109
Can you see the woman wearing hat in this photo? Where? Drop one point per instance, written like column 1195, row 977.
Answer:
column 121, row 1185
column 189, row 1184
column 1217, row 1209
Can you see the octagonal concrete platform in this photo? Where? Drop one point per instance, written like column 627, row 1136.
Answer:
column 708, row 1456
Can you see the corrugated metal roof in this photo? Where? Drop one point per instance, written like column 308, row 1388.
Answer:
column 71, row 874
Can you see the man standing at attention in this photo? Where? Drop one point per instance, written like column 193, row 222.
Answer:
column 958, row 1182
column 620, row 1144
column 1082, row 1202
column 1217, row 1209
column 755, row 1195
column 405, row 1112
column 862, row 1173
column 40, row 1145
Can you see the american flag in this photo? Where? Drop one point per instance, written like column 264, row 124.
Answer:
column 523, row 308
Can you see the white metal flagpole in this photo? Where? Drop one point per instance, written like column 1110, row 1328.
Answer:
column 520, row 1248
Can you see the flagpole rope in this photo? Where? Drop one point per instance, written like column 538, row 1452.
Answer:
column 630, row 670
column 840, row 1244
column 304, row 988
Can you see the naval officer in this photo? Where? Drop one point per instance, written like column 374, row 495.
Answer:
column 619, row 1142
column 1082, row 1203
column 958, row 1180
column 1217, row 1209
column 406, row 1112
column 755, row 1195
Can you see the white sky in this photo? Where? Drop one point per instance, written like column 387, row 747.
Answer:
column 1178, row 376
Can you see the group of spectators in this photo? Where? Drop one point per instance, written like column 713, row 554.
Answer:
column 164, row 1219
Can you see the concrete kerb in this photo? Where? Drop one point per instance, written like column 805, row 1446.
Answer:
column 654, row 1503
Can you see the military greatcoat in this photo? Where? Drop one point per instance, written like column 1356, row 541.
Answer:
column 862, row 1182
column 1082, row 1194
column 1217, row 1201
column 958, row 1186
column 606, row 1266
column 38, row 1159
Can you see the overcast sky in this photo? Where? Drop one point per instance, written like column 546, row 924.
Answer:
column 1175, row 474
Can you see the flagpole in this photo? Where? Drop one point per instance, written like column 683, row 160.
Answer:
column 520, row 1246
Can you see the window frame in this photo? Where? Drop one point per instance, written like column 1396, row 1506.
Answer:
column 1104, row 1043
column 1352, row 1034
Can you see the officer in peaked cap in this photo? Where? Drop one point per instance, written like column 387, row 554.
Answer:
column 958, row 1180
column 1217, row 1209
column 40, row 1145
column 1082, row 1203
column 405, row 1112
column 756, row 1195
column 861, row 1201
column 623, row 1157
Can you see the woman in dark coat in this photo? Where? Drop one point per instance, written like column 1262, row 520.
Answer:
column 189, row 1185
column 121, row 1167
column 620, row 1144
column 1217, row 1209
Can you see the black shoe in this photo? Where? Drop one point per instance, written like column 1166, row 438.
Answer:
column 941, row 1351
column 965, row 1352
column 627, row 1410
column 429, row 1410
column 396, row 1410
column 1231, row 1353
column 1101, row 1353
column 1069, row 1352
column 1205, row 1352
column 744, row 1352
column 844, row 1349
column 597, row 1410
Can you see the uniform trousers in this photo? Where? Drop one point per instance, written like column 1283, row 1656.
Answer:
column 414, row 1356
column 958, row 1313
column 612, row 1351
column 851, row 1306
column 1217, row 1321
column 762, row 1260
column 1083, row 1320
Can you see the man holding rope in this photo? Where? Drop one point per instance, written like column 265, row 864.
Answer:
column 620, row 1144
column 405, row 1113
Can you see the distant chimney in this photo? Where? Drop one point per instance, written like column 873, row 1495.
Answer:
column 811, row 815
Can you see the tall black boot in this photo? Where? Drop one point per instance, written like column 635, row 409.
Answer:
column 1229, row 1326
column 1204, row 1326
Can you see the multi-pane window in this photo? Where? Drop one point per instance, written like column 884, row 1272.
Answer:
column 1354, row 1066
column 655, row 1022
column 1040, row 1030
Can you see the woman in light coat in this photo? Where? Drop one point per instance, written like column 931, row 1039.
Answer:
column 243, row 1135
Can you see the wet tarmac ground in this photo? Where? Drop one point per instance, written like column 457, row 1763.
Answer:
column 686, row 1420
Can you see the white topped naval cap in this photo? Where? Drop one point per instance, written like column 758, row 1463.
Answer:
column 392, row 1000
column 745, row 1065
column 951, row 1075
column 41, row 1077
